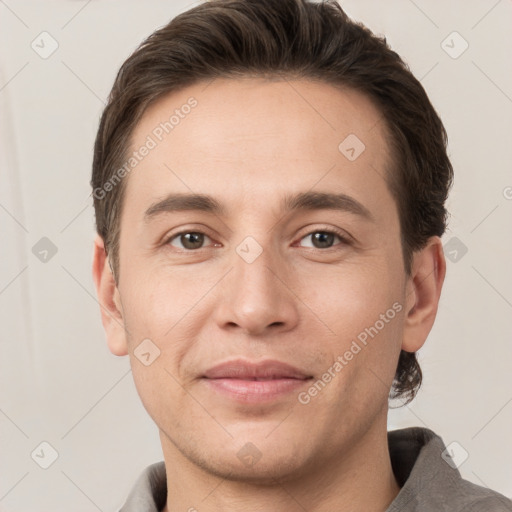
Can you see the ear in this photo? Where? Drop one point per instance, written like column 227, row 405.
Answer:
column 423, row 291
column 109, row 300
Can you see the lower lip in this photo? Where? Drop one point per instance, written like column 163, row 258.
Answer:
column 255, row 391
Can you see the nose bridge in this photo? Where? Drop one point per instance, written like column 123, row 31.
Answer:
column 253, row 275
column 256, row 298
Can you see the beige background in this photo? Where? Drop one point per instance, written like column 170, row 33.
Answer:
column 59, row 383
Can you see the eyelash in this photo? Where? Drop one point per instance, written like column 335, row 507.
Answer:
column 345, row 240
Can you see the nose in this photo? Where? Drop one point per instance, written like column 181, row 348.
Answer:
column 256, row 297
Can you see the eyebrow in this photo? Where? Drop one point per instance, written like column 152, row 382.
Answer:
column 292, row 202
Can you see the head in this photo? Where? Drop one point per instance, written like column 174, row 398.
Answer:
column 270, row 109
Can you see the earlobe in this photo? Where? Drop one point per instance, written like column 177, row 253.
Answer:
column 109, row 300
column 423, row 292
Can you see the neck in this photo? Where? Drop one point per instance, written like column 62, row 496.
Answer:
column 359, row 478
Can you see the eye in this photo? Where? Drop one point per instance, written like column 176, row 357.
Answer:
column 194, row 240
column 324, row 239
column 188, row 240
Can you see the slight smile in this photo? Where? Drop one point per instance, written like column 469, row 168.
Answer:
column 250, row 382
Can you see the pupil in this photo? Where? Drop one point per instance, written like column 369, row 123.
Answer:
column 324, row 239
column 191, row 240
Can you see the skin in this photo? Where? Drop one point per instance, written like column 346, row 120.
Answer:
column 248, row 143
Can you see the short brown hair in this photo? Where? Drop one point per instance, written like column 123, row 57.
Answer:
column 291, row 39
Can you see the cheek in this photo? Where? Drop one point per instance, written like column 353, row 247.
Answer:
column 362, row 309
column 158, row 389
column 351, row 298
column 157, row 301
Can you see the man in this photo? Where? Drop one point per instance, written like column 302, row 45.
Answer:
column 269, row 185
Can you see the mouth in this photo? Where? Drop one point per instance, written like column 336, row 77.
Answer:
column 249, row 382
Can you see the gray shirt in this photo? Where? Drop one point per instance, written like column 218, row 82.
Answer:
column 429, row 482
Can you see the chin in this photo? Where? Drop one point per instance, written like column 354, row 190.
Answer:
column 278, row 470
column 254, row 458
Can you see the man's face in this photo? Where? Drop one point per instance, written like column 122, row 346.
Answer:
column 256, row 281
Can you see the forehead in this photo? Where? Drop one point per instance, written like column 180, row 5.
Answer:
column 240, row 138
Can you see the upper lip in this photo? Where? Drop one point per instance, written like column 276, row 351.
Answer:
column 268, row 369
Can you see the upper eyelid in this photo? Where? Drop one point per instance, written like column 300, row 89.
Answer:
column 342, row 234
column 168, row 239
column 203, row 230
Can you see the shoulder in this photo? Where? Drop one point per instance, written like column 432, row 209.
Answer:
column 430, row 480
column 477, row 498
column 149, row 492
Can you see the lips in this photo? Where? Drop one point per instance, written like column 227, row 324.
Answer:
column 265, row 370
column 249, row 383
